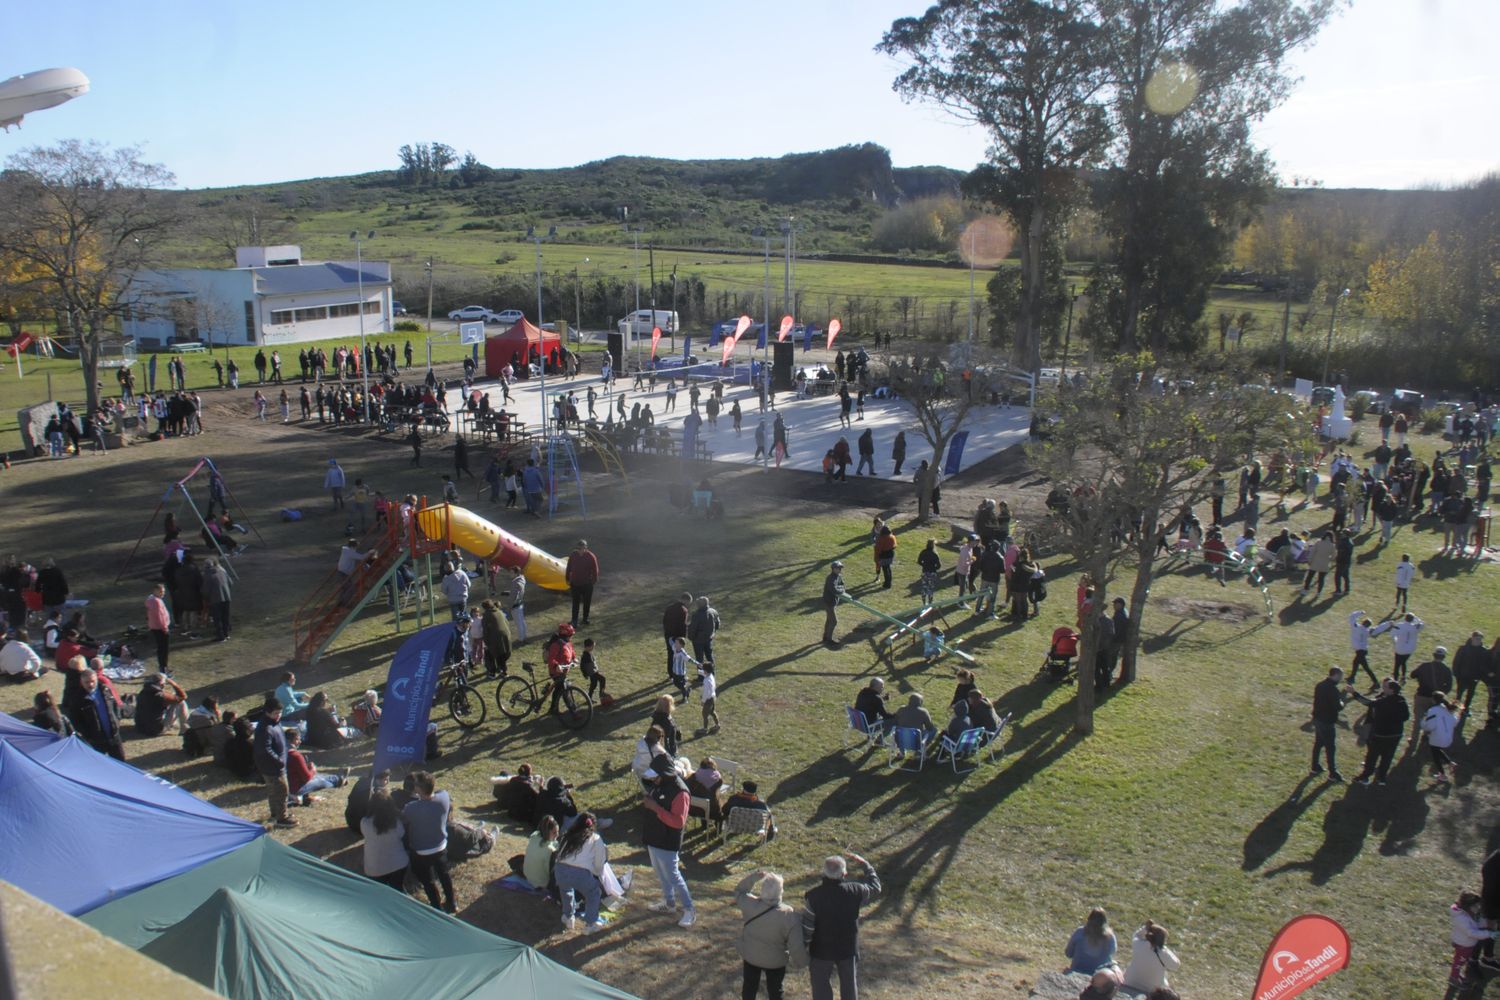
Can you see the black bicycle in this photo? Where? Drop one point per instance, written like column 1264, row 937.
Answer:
column 517, row 697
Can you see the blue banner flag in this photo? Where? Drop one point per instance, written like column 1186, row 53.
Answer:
column 687, row 344
column 807, row 336
column 408, row 697
column 955, row 453
column 760, row 338
column 713, row 335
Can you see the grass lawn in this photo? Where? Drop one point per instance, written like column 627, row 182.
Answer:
column 1191, row 805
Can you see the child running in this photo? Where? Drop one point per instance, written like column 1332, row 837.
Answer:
column 680, row 660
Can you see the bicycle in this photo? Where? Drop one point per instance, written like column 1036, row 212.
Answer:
column 465, row 702
column 517, row 697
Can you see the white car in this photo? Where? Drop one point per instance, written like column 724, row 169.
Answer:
column 1048, row 376
column 472, row 313
column 509, row 317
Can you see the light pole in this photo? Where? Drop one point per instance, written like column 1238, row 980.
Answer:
column 429, row 294
column 971, row 294
column 578, row 303
column 359, row 278
column 635, row 259
column 786, row 229
column 541, row 337
column 1332, row 318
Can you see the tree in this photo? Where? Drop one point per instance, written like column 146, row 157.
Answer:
column 1027, row 71
column 22, row 293
column 1132, row 453
column 85, row 219
column 1187, row 78
column 241, row 220
column 940, row 413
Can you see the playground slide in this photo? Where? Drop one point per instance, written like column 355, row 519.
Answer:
column 473, row 533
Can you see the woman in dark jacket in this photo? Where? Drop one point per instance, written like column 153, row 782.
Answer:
column 556, row 801
column 496, row 639
column 53, row 587
column 1020, row 586
column 323, row 729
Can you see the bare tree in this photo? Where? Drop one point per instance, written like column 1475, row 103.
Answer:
column 940, row 414
column 241, row 220
column 1129, row 451
column 86, row 220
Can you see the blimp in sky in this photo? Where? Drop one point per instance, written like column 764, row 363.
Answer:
column 46, row 88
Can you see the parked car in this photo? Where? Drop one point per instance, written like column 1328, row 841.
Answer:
column 1407, row 401
column 397, row 309
column 641, row 322
column 469, row 314
column 1323, row 395
column 510, row 317
column 1048, row 376
column 1374, row 401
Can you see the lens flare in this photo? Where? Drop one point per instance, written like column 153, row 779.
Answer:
column 1171, row 88
column 986, row 241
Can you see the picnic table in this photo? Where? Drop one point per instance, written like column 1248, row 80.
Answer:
column 195, row 347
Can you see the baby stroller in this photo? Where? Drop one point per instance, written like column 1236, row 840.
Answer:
column 1059, row 662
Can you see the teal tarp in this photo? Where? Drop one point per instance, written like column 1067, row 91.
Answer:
column 269, row 921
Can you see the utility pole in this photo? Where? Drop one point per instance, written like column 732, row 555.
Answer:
column 786, row 228
column 1333, row 316
column 651, row 265
column 673, row 332
column 768, row 289
column 1286, row 324
column 429, row 294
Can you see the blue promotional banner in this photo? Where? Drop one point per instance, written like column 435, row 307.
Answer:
column 760, row 338
column 408, row 697
column 713, row 335
column 687, row 344
column 955, row 453
column 807, row 336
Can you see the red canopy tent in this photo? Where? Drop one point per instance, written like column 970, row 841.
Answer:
column 519, row 340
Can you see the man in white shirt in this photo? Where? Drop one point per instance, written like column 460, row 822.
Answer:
column 18, row 659
column 1404, row 633
column 1359, row 641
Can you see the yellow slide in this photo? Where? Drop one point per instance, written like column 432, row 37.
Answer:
column 473, row 533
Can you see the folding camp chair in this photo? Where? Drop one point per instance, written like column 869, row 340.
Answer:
column 908, row 742
column 864, row 732
column 969, row 745
column 756, row 822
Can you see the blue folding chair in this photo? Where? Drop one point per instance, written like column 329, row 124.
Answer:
column 969, row 745
column 868, row 733
column 909, row 744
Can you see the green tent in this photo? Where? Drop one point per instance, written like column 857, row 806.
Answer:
column 269, row 921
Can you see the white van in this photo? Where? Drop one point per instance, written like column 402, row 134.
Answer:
column 640, row 323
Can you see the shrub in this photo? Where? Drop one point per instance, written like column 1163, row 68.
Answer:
column 1433, row 421
column 408, row 326
column 1353, row 440
column 1357, row 407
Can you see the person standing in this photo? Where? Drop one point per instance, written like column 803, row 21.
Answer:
column 1433, row 678
column 830, row 925
column 496, row 639
column 333, row 482
column 426, row 821
column 674, row 624
column 517, row 595
column 866, row 446
column 270, row 760
column 1406, row 572
column 666, row 805
column 455, row 588
column 92, row 711
column 159, row 622
column 1440, row 723
column 701, row 629
column 1388, row 715
column 1404, row 633
column 1360, row 631
column 582, row 574
column 770, row 936
column 1343, row 561
column 898, row 452
column 1328, row 702
column 461, row 458
column 833, row 592
column 216, row 594
column 532, row 485
column 1319, row 562
column 415, row 440
column 1471, row 665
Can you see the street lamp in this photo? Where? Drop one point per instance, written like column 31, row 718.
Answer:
column 359, row 277
column 1332, row 317
column 429, row 294
column 578, row 302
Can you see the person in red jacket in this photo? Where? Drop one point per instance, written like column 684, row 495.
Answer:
column 559, row 660
column 582, row 573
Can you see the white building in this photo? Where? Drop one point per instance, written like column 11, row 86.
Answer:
column 270, row 297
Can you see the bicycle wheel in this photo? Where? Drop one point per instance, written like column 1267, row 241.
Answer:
column 514, row 697
column 577, row 708
column 466, row 705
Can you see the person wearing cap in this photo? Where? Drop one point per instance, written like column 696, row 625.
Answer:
column 666, row 803
column 830, row 925
column 582, row 573
column 1432, row 678
column 833, row 590
column 333, row 482
column 770, row 935
column 559, row 660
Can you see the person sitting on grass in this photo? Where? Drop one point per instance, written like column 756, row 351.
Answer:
column 1104, row 985
column 45, row 715
column 293, row 702
column 238, row 756
column 325, row 730
column 385, row 856
column 535, row 866
column 518, row 795
column 1092, row 946
column 365, row 715
column 302, row 774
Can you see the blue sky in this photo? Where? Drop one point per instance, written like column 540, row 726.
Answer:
column 1396, row 93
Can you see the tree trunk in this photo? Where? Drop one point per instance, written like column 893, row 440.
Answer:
column 1140, row 592
column 926, row 481
column 88, row 357
column 1029, row 325
column 1088, row 647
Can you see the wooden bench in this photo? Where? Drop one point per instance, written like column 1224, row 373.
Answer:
column 191, row 348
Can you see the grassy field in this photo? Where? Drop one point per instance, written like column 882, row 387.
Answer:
column 1191, row 805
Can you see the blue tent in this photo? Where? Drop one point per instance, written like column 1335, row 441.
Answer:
column 24, row 736
column 81, row 829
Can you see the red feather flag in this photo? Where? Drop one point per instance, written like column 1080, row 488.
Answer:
column 655, row 339
column 834, row 326
column 786, row 328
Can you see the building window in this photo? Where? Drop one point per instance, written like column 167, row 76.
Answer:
column 249, row 322
column 282, row 317
column 311, row 315
column 372, row 308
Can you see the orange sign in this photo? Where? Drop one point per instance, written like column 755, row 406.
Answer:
column 834, row 326
column 786, row 328
column 1309, row 948
column 655, row 339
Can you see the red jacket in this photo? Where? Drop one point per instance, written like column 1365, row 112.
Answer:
column 559, row 656
column 298, row 771
column 583, row 568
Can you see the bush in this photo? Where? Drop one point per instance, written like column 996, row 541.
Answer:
column 1433, row 421
column 408, row 326
column 1357, row 407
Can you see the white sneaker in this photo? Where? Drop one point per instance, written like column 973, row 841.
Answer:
column 662, row 906
column 626, row 878
column 595, row 927
column 689, row 917
column 567, row 923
